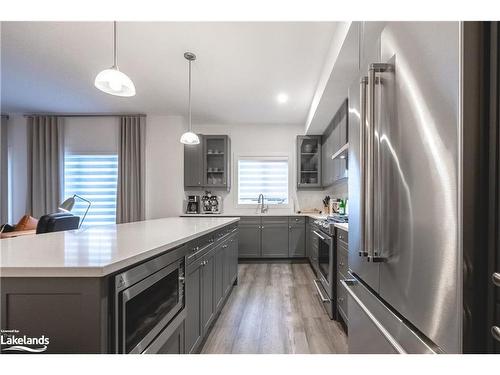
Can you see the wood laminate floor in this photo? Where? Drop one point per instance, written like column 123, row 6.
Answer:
column 275, row 309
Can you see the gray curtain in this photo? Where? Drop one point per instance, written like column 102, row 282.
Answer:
column 3, row 170
column 45, row 164
column 131, row 169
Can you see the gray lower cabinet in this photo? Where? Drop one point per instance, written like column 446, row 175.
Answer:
column 193, row 306
column 274, row 237
column 297, row 241
column 308, row 238
column 207, row 291
column 208, row 283
column 249, row 241
column 220, row 258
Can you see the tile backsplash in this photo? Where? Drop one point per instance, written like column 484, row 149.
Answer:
column 308, row 199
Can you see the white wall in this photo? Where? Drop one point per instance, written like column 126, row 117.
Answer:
column 165, row 159
column 164, row 166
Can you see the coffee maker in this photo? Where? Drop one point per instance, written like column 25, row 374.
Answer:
column 193, row 204
column 211, row 204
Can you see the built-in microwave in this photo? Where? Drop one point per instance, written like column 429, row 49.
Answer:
column 147, row 299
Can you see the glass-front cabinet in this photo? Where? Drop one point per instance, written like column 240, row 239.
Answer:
column 207, row 165
column 216, row 150
column 308, row 161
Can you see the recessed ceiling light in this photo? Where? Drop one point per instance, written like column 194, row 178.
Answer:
column 282, row 98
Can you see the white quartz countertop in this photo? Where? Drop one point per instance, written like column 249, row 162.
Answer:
column 239, row 214
column 99, row 251
column 316, row 216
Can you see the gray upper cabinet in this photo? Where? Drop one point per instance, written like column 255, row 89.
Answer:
column 207, row 165
column 309, row 161
column 216, row 162
column 334, row 138
column 193, row 166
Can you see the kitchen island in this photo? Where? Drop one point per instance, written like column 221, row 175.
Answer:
column 78, row 288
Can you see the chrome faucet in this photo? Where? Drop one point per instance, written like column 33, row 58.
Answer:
column 263, row 209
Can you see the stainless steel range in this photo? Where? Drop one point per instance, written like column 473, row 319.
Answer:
column 326, row 261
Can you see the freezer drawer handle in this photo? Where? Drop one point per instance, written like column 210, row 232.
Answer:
column 496, row 278
column 374, row 320
column 495, row 332
column 321, row 296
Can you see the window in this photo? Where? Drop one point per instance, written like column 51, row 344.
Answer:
column 94, row 177
column 267, row 176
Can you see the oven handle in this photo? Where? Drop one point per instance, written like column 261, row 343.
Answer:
column 319, row 235
column 321, row 296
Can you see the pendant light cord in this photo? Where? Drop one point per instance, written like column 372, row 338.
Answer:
column 114, row 45
column 189, row 101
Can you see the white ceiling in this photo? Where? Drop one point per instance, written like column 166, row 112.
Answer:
column 241, row 67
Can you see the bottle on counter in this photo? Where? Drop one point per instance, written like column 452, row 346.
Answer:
column 342, row 207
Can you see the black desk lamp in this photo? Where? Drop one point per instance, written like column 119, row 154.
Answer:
column 68, row 204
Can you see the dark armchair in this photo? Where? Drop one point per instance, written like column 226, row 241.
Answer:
column 57, row 222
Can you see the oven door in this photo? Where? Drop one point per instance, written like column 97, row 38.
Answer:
column 325, row 262
column 147, row 306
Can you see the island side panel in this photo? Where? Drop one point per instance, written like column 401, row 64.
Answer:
column 71, row 312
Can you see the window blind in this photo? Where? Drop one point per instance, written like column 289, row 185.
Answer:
column 94, row 177
column 263, row 176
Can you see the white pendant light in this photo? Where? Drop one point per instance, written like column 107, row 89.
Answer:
column 190, row 138
column 112, row 81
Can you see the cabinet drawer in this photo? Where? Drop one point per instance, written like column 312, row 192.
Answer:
column 296, row 220
column 341, row 298
column 342, row 236
column 275, row 220
column 249, row 220
column 199, row 247
column 343, row 263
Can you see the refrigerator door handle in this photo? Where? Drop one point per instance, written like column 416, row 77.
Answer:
column 496, row 279
column 495, row 332
column 369, row 179
column 392, row 341
column 362, row 161
column 374, row 178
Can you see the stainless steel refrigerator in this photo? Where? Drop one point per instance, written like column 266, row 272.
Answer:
column 405, row 219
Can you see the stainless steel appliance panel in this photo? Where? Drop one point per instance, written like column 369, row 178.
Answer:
column 369, row 272
column 417, row 133
column 375, row 329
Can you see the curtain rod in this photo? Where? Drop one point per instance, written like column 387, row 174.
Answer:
column 86, row 114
